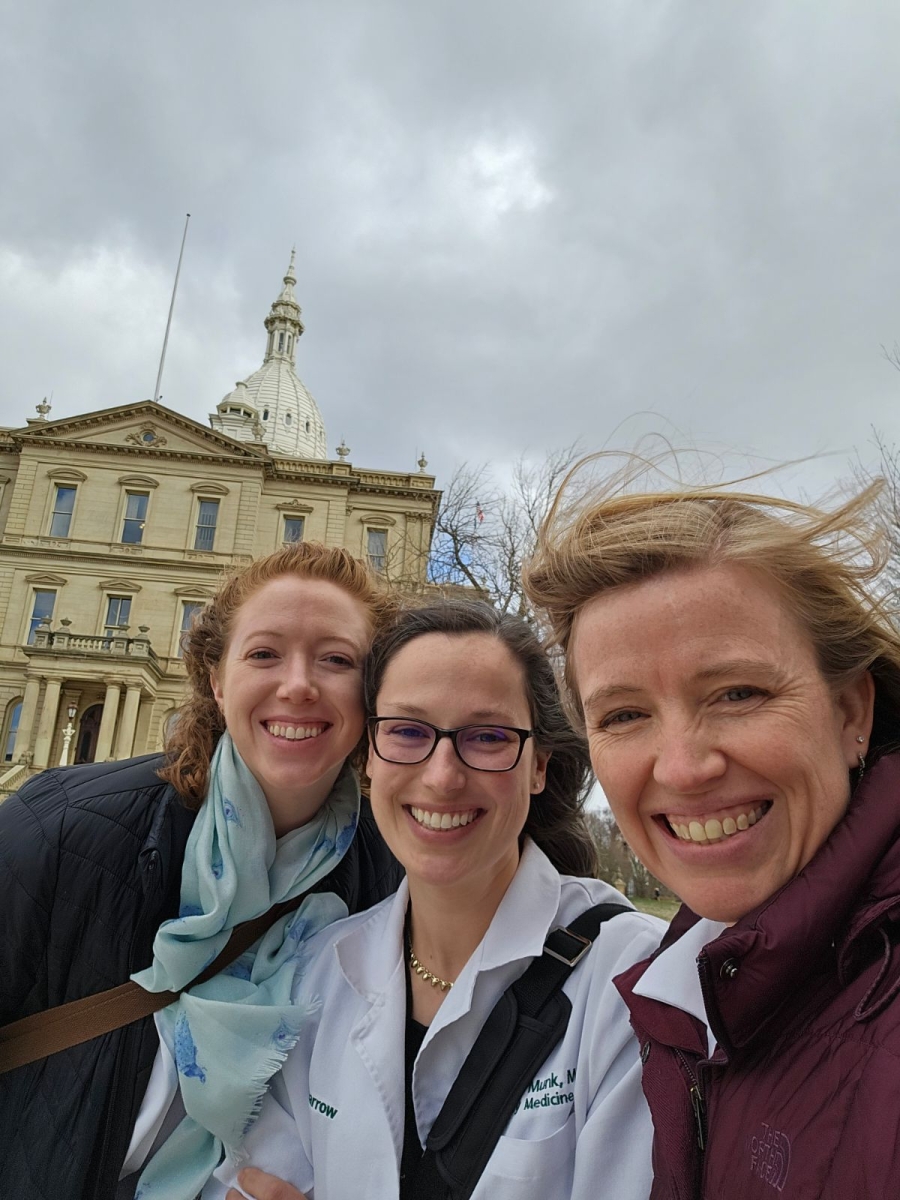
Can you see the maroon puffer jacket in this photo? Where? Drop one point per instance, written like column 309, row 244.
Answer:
column 802, row 1096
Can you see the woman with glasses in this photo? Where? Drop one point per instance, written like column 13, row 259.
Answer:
column 477, row 785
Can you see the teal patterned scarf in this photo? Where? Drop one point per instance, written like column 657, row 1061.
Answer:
column 229, row 1036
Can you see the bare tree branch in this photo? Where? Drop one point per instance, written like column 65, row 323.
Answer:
column 616, row 862
column 483, row 534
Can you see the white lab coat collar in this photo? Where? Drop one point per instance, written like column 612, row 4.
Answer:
column 370, row 957
column 673, row 979
column 517, row 930
column 363, row 955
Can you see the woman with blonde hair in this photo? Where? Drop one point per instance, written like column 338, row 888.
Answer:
column 736, row 670
column 145, row 868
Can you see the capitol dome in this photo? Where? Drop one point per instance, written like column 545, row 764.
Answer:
column 272, row 405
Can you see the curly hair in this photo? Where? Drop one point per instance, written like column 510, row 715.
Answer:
column 194, row 736
column 827, row 562
column 556, row 819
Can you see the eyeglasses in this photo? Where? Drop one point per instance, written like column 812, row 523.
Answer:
column 481, row 747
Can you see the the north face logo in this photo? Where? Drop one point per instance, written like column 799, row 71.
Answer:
column 770, row 1157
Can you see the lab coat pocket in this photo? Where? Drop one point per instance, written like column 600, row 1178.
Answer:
column 545, row 1165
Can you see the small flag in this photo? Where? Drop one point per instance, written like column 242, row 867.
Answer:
column 479, row 512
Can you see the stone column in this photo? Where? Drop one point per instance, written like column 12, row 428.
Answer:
column 26, row 718
column 107, row 722
column 125, row 742
column 47, row 724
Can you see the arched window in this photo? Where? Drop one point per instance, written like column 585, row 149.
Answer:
column 11, row 728
column 265, row 414
column 287, row 418
column 307, row 426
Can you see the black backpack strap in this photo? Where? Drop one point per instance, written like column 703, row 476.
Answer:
column 527, row 1023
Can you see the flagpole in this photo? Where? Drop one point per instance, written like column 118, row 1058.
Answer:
column 162, row 357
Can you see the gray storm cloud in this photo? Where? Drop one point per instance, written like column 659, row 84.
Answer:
column 515, row 225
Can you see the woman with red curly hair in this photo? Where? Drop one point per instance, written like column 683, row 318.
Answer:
column 142, row 869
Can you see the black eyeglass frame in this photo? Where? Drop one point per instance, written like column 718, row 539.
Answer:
column 452, row 734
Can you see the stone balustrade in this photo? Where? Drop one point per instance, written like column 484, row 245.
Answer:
column 63, row 641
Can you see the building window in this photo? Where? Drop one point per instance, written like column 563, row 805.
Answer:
column 376, row 548
column 135, row 517
column 43, row 607
column 265, row 414
column 188, row 608
column 287, row 418
column 118, row 614
column 11, row 728
column 207, row 515
column 63, row 506
column 280, row 342
column 290, row 342
column 293, row 529
column 307, row 426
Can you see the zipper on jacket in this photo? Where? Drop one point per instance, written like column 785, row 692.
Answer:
column 696, row 1101
column 705, row 990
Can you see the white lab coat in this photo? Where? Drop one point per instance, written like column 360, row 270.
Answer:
column 333, row 1122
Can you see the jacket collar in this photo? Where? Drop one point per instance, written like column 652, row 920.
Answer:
column 818, row 916
column 370, row 952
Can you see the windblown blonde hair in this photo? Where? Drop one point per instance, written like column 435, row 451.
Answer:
column 193, row 739
column 827, row 562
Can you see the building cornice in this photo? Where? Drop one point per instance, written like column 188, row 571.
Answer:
column 373, row 483
column 144, row 453
column 71, row 555
column 62, row 429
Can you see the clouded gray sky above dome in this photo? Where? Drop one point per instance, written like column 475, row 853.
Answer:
column 516, row 224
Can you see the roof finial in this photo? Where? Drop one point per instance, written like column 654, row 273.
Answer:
column 290, row 277
column 343, row 450
column 42, row 409
column 423, row 463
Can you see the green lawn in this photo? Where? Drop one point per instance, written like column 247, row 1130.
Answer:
column 663, row 907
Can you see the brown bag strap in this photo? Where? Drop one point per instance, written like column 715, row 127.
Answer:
column 45, row 1033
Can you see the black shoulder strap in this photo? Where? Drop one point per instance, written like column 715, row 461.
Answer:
column 526, row 1024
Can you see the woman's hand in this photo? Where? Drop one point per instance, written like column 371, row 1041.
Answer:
column 263, row 1187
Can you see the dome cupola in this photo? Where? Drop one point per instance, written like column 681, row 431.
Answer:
column 273, row 399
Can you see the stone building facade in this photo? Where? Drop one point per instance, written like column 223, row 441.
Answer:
column 116, row 525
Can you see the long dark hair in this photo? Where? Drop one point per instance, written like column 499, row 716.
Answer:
column 556, row 820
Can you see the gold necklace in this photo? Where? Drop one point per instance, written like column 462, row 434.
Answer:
column 429, row 976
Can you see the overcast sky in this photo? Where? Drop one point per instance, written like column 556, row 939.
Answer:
column 516, row 223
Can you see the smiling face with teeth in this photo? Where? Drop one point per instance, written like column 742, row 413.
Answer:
column 448, row 824
column 290, row 688
column 723, row 751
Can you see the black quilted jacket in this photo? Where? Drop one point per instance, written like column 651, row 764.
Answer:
column 90, row 864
